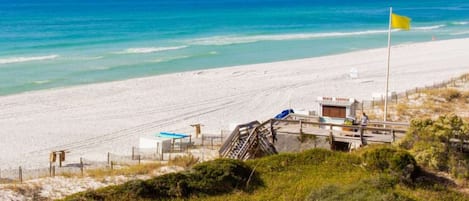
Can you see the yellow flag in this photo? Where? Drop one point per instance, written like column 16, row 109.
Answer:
column 400, row 22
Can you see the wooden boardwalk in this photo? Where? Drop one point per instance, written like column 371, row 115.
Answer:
column 257, row 139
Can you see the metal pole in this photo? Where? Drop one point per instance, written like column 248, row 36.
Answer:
column 387, row 70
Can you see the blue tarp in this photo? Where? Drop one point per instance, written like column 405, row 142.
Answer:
column 172, row 135
column 284, row 113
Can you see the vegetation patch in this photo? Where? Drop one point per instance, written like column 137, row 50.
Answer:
column 438, row 144
column 209, row 178
column 381, row 188
column 393, row 161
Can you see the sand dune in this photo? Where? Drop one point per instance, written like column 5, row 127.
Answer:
column 93, row 119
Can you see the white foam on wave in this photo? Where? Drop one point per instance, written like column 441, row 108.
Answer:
column 230, row 40
column 459, row 33
column 26, row 59
column 41, row 82
column 84, row 58
column 146, row 50
column 168, row 59
column 460, row 23
column 429, row 27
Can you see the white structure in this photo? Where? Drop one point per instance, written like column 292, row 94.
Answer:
column 336, row 110
column 337, row 107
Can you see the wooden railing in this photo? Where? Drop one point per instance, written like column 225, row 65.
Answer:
column 234, row 138
column 252, row 139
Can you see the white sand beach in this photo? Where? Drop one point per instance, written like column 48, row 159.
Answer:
column 92, row 120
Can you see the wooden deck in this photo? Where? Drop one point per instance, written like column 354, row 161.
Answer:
column 375, row 133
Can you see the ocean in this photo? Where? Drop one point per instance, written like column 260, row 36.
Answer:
column 57, row 43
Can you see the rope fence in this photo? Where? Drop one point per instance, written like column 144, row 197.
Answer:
column 396, row 97
column 136, row 156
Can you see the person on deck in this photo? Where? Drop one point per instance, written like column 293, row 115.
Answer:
column 364, row 121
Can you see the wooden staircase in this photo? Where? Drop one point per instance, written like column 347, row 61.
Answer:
column 249, row 140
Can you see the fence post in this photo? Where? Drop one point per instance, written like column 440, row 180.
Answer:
column 133, row 153
column 53, row 171
column 139, row 159
column 81, row 166
column 60, row 159
column 50, row 169
column 301, row 127
column 362, row 128
column 162, row 154
column 112, row 165
column 393, row 135
column 108, row 157
column 20, row 175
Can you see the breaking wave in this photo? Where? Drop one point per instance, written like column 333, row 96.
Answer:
column 169, row 59
column 459, row 23
column 429, row 27
column 460, row 33
column 146, row 50
column 230, row 40
column 38, row 82
column 26, row 59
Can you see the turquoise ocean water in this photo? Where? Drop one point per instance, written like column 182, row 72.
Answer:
column 55, row 43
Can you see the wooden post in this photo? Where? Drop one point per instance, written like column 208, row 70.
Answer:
column 139, row 159
column 190, row 141
column 133, row 153
column 50, row 169
column 20, row 175
column 301, row 127
column 81, row 166
column 53, row 171
column 60, row 159
column 393, row 133
column 362, row 129
column 108, row 157
column 112, row 165
column 331, row 140
column 162, row 155
column 172, row 149
column 202, row 141
column 197, row 129
column 221, row 136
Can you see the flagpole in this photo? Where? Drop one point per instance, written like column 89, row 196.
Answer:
column 387, row 70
